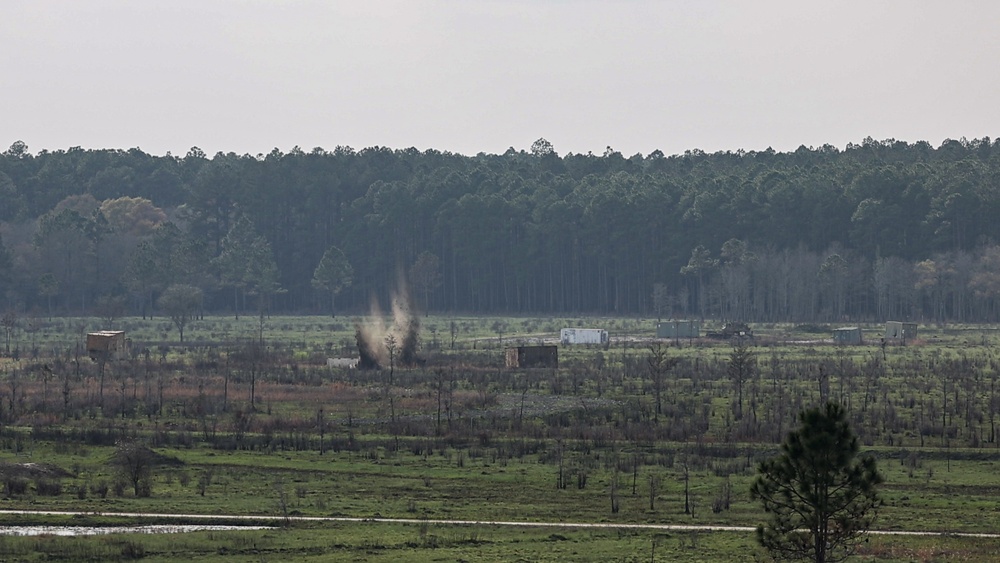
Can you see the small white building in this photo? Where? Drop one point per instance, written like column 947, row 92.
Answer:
column 583, row 336
column 348, row 363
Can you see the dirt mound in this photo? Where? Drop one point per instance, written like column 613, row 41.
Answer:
column 31, row 470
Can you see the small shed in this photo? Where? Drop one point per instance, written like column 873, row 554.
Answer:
column 847, row 335
column 897, row 330
column 533, row 357
column 678, row 329
column 107, row 345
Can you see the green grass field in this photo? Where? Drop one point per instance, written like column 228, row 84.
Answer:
column 464, row 438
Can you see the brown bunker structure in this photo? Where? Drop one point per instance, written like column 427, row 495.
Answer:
column 533, row 357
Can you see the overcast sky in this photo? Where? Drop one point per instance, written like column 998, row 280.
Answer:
column 481, row 76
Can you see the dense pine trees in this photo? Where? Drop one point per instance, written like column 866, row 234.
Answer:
column 878, row 230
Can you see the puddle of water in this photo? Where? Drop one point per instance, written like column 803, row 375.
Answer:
column 104, row 530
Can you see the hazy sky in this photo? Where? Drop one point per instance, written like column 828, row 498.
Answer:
column 473, row 76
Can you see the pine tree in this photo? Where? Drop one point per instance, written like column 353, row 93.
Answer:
column 332, row 274
column 820, row 496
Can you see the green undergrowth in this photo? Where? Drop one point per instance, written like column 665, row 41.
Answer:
column 923, row 492
column 584, row 443
column 420, row 542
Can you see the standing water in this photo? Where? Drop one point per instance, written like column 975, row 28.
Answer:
column 104, row 530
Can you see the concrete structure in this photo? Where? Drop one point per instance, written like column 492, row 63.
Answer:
column 583, row 336
column 678, row 329
column 533, row 357
column 107, row 345
column 847, row 335
column 897, row 330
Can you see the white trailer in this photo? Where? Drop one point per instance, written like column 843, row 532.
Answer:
column 583, row 336
column 349, row 363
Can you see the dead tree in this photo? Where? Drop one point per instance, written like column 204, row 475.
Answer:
column 659, row 365
column 134, row 463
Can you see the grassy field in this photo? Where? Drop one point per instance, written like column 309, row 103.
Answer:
column 420, row 542
column 462, row 437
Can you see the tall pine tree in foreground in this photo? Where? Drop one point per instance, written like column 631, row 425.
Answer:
column 820, row 496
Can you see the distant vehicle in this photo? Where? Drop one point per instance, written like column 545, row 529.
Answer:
column 583, row 336
column 732, row 330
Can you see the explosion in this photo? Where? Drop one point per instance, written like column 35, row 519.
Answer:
column 379, row 343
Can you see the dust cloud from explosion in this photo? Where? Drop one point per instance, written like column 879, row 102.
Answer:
column 383, row 345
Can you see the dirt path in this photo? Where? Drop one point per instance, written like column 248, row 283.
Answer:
column 666, row 527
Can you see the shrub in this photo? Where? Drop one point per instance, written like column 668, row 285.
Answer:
column 133, row 550
column 100, row 489
column 48, row 487
column 15, row 486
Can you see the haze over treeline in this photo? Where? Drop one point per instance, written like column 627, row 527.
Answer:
column 878, row 230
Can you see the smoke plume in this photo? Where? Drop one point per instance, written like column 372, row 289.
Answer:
column 380, row 342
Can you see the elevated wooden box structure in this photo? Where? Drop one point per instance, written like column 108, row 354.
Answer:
column 107, row 345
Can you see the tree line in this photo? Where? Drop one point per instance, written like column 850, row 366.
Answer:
column 878, row 230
